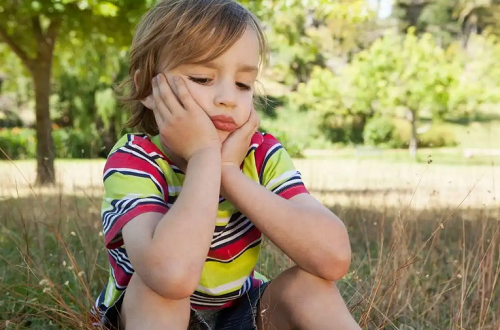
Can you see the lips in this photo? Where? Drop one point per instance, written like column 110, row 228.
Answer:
column 224, row 123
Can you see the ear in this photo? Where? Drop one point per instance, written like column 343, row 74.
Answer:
column 149, row 101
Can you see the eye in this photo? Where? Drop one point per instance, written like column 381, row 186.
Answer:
column 243, row 86
column 201, row 81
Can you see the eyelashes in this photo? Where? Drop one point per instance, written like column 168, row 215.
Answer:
column 206, row 81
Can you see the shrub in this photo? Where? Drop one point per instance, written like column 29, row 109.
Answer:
column 395, row 133
column 379, row 131
column 438, row 136
column 19, row 143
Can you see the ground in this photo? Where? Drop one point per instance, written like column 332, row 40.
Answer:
column 425, row 239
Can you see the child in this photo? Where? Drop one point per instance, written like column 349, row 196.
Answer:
column 187, row 202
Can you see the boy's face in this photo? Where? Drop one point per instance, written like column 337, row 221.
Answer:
column 224, row 87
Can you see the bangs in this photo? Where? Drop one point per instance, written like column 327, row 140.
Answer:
column 207, row 34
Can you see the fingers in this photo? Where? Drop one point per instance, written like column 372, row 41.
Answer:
column 253, row 122
column 160, row 110
column 185, row 96
column 167, row 96
column 254, row 119
column 250, row 127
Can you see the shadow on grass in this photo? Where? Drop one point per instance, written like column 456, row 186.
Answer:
column 423, row 270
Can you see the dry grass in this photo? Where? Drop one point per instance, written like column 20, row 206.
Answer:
column 426, row 243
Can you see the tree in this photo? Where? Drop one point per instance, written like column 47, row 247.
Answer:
column 304, row 34
column 406, row 76
column 37, row 31
column 410, row 76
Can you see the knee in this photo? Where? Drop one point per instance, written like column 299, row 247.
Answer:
column 301, row 282
column 304, row 290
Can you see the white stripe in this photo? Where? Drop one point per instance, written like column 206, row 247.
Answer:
column 232, row 230
column 286, row 184
column 255, row 145
column 196, row 297
column 139, row 155
column 122, row 207
column 208, row 304
column 222, row 288
column 233, row 237
column 174, row 189
column 122, row 259
column 236, row 256
column 277, row 145
column 287, row 175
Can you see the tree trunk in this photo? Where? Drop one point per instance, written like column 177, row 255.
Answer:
column 413, row 137
column 45, row 145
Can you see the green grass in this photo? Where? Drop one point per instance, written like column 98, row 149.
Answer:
column 442, row 156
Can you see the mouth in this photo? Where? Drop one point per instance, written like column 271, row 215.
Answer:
column 224, row 123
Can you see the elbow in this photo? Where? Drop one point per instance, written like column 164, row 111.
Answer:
column 173, row 283
column 336, row 263
column 338, row 269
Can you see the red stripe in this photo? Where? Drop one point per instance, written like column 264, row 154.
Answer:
column 293, row 191
column 228, row 251
column 202, row 307
column 129, row 161
column 262, row 149
column 121, row 277
column 125, row 218
column 146, row 144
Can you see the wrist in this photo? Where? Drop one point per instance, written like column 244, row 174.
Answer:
column 206, row 156
column 229, row 172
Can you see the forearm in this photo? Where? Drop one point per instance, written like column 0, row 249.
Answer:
column 312, row 237
column 184, row 234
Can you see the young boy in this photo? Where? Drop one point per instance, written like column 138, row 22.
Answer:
column 187, row 202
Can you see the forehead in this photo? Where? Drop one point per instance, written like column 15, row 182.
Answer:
column 243, row 53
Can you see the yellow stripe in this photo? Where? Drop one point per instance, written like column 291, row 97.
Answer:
column 216, row 274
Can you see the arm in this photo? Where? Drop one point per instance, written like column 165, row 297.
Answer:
column 168, row 251
column 312, row 236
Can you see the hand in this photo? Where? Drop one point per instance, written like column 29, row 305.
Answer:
column 235, row 148
column 184, row 129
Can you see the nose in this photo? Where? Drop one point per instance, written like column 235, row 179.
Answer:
column 226, row 95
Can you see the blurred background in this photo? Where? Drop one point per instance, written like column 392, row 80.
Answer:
column 390, row 108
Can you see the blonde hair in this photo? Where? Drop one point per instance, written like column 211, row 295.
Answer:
column 176, row 32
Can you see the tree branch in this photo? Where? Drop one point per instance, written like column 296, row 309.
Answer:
column 53, row 31
column 37, row 28
column 15, row 48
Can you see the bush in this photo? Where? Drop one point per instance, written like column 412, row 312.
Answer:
column 19, row 143
column 71, row 143
column 395, row 133
column 437, row 136
column 379, row 131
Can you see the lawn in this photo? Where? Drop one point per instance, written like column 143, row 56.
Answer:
column 425, row 240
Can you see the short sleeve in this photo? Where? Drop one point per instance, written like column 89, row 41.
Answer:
column 133, row 184
column 276, row 169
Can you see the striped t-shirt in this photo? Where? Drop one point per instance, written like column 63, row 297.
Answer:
column 139, row 178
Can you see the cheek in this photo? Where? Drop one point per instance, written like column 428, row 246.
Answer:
column 246, row 108
column 200, row 94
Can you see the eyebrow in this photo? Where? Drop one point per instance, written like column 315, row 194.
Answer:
column 241, row 68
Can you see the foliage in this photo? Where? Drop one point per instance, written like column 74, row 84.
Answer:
column 379, row 131
column 19, row 143
column 389, row 132
column 307, row 33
